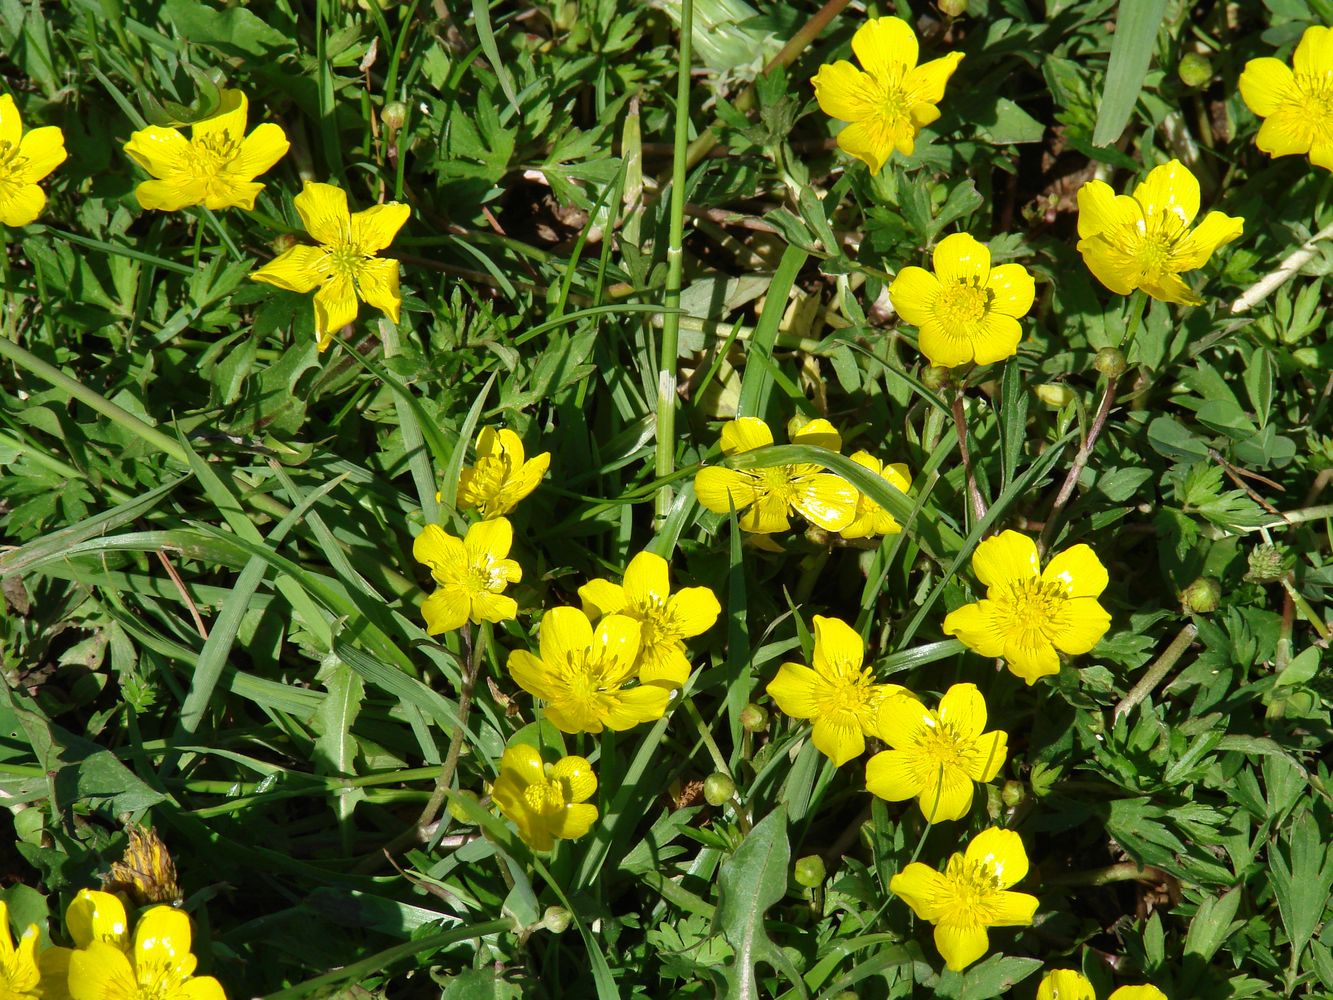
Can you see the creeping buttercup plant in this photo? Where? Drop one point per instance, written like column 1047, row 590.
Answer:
column 708, row 498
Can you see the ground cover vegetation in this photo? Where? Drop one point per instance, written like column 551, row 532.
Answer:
column 705, row 497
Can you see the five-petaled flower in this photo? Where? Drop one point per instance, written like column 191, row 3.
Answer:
column 871, row 518
column 1028, row 613
column 935, row 756
column 970, row 895
column 25, row 159
column 1066, row 984
column 1297, row 107
column 545, row 801
column 584, row 676
column 501, row 477
column 472, row 574
column 839, row 693
column 765, row 498
column 967, row 310
column 665, row 619
column 890, row 99
column 155, row 964
column 1145, row 241
column 26, row 973
column 216, row 167
column 344, row 266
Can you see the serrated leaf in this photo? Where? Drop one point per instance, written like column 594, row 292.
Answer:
column 1302, row 873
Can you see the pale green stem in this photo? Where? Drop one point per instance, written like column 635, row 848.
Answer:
column 414, row 443
column 1158, row 671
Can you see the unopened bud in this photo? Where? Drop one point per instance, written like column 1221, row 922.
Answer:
column 718, row 788
column 810, row 871
column 1195, row 69
column 935, row 377
column 284, row 242
column 1013, row 793
column 1054, row 395
column 394, row 115
column 953, row 8
column 456, row 808
column 1268, row 564
column 556, row 919
column 1110, row 361
column 754, row 718
column 1202, row 596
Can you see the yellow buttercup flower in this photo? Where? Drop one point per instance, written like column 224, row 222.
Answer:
column 1145, row 241
column 344, row 266
column 472, row 574
column 1066, row 984
column 872, row 519
column 890, row 99
column 665, row 619
column 935, row 756
column 545, row 801
column 584, row 676
column 155, row 964
column 1297, row 107
column 839, row 693
column 967, row 310
column 25, row 159
column 216, row 167
column 970, row 895
column 765, row 498
column 501, row 477
column 26, row 974
column 1029, row 613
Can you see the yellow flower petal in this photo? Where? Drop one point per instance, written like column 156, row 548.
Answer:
column 375, row 228
column 335, row 307
column 1080, row 626
column 160, row 151
column 664, row 664
column 1012, row 290
column 873, row 140
column 529, row 673
column 297, row 269
column 576, row 774
column 1321, row 155
column 161, row 938
column 960, row 258
column 377, row 281
column 44, row 149
column 720, row 490
column 22, row 205
column 900, row 720
column 886, row 48
column 998, row 339
column 201, row 988
column 1005, row 558
column 228, row 124
column 531, row 473
column 988, row 756
column 913, row 294
column 844, row 92
column 323, row 211
column 488, row 540
column 1265, row 84
column 1110, row 264
column 826, row 500
column 964, row 710
column 647, row 583
column 1169, row 191
column 693, row 610
column 446, row 609
column 745, row 434
column 1214, row 231
column 1065, row 984
column 767, row 516
column 636, row 705
column 564, row 632
column 1314, row 53
column 1137, row 993
column 926, row 83
column 437, row 549
column 574, row 821
column 11, row 122
column 1078, row 571
column 1100, row 210
column 797, row 690
column 978, row 627
column 260, row 150
column 99, row 971
column 838, row 647
column 1031, row 656
column 1001, row 852
column 1171, row 288
column 961, row 944
column 922, row 888
column 496, row 444
column 820, row 433
column 616, row 640
column 944, row 347
column 1286, row 132
column 97, row 916
column 892, row 775
column 601, row 597
column 488, row 607
column 838, row 736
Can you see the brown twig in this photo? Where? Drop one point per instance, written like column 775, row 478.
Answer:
column 199, row 625
column 973, row 493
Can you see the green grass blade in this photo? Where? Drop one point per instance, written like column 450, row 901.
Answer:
column 1132, row 45
column 757, row 382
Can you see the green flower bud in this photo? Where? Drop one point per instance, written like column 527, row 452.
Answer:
column 1195, row 69
column 810, row 871
column 754, row 718
column 1202, row 596
column 934, row 377
column 456, row 809
column 556, row 919
column 1110, row 361
column 1054, row 395
column 1013, row 793
column 1268, row 564
column 284, row 242
column 394, row 115
column 718, row 788
column 953, row 8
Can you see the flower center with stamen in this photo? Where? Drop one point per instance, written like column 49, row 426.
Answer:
column 777, row 482
column 972, row 884
column 895, row 107
column 961, row 306
column 545, row 798
column 849, row 690
column 1033, row 605
column 940, row 746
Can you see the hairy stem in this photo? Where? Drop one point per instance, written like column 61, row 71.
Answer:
column 973, row 493
column 1281, row 274
column 1080, row 463
column 1158, row 671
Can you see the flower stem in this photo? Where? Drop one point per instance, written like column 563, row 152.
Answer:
column 1080, row 463
column 414, row 443
column 1281, row 274
column 705, row 734
column 1137, row 302
column 669, row 363
column 974, row 494
column 1158, row 671
column 472, row 659
column 1126, row 871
